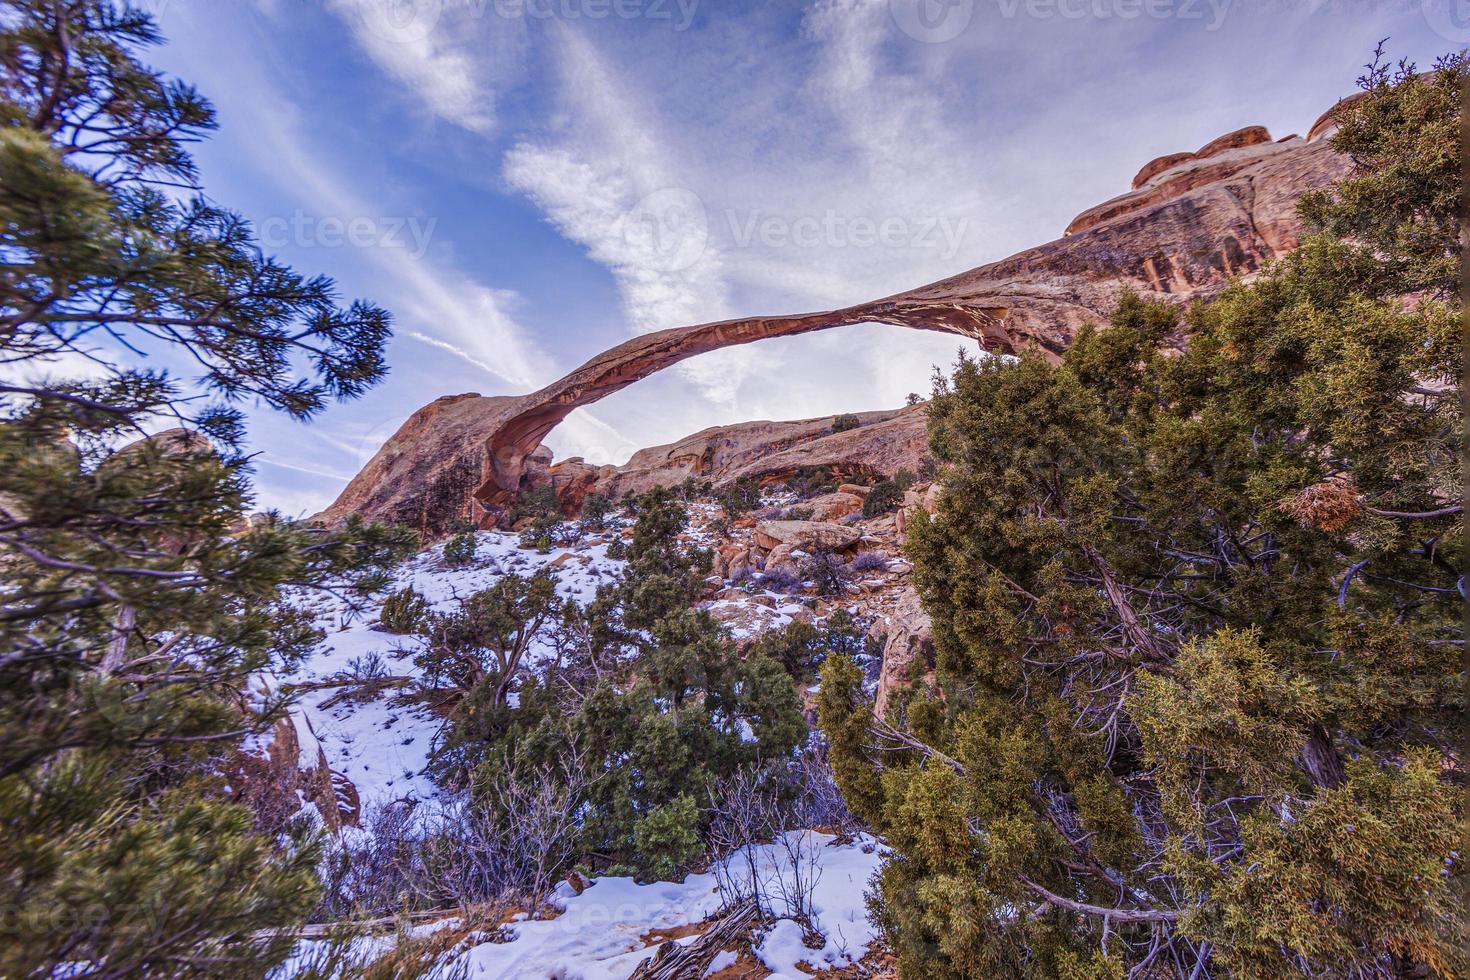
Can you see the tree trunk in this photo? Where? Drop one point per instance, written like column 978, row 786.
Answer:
column 1320, row 761
column 676, row 962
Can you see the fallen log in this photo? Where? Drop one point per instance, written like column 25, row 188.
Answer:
column 675, row 961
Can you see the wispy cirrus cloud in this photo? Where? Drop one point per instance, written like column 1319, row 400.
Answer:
column 449, row 55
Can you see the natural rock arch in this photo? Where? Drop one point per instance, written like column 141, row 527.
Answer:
column 531, row 418
column 1191, row 223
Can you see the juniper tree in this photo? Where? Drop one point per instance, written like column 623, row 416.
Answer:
column 137, row 602
column 1196, row 594
column 647, row 691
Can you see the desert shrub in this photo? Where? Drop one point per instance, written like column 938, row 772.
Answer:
column 691, row 489
column 801, row 647
column 845, row 423
column 543, row 532
column 595, row 510
column 741, row 497
column 668, row 838
column 538, row 501
column 459, row 550
column 885, row 498
column 869, row 561
column 798, row 647
column 913, row 398
column 811, row 481
column 780, row 580
column 928, row 468
column 647, row 689
column 508, row 850
column 795, row 514
column 826, row 571
column 404, row 611
column 842, row 635
column 617, row 548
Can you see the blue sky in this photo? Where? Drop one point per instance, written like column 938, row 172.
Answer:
column 525, row 183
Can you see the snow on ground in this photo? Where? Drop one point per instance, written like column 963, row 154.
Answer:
column 383, row 745
column 599, row 934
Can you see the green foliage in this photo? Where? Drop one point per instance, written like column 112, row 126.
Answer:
column 809, row 481
column 647, row 692
column 1402, row 202
column 668, row 838
column 404, row 611
column 135, row 882
column 142, row 597
column 801, row 648
column 595, row 510
column 460, row 549
column 845, row 423
column 885, row 498
column 1196, row 603
column 539, row 501
column 741, row 497
column 691, row 489
column 843, row 713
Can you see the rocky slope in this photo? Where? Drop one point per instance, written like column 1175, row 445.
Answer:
column 882, row 444
column 1191, row 221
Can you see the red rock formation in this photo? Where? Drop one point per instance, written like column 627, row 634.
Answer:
column 1190, row 225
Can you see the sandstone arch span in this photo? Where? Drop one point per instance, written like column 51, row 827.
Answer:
column 1191, row 222
column 528, row 421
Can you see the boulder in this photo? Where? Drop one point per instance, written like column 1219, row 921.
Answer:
column 783, row 559
column 739, row 565
column 925, row 498
column 806, row 535
column 272, row 778
column 833, row 506
column 908, row 650
column 1248, row 136
column 855, row 490
column 1157, row 166
column 744, row 617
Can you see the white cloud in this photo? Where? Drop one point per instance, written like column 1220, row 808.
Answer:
column 604, row 182
column 451, row 56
